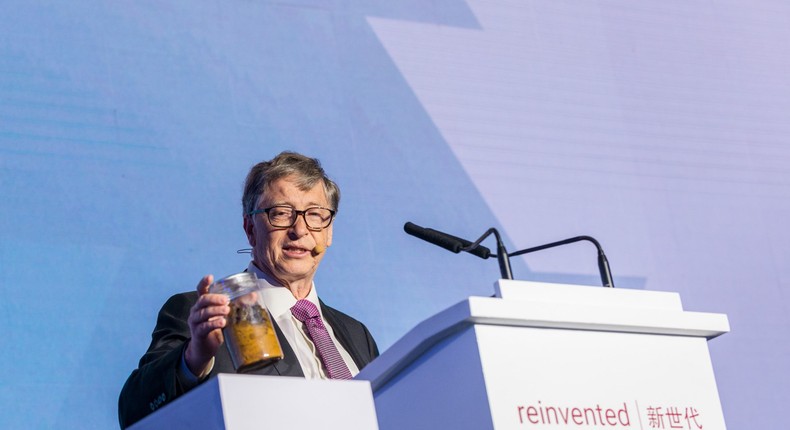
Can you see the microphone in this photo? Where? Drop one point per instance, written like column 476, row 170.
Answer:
column 447, row 241
column 318, row 249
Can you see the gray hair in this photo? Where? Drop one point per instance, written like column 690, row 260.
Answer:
column 307, row 173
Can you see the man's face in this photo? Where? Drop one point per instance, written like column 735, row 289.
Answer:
column 288, row 253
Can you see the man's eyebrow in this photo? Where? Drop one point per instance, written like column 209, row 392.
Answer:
column 286, row 203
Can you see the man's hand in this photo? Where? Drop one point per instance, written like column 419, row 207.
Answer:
column 206, row 320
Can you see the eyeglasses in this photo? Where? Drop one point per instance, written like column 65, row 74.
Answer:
column 316, row 218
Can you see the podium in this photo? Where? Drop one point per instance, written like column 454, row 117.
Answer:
column 254, row 402
column 550, row 356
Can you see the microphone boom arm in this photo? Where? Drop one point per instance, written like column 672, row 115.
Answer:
column 603, row 263
column 501, row 253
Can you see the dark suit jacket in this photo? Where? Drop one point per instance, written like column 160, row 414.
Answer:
column 154, row 383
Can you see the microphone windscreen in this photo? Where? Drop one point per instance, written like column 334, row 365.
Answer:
column 319, row 249
column 433, row 236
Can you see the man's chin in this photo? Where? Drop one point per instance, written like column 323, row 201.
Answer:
column 295, row 271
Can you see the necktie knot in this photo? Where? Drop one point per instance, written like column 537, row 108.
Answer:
column 304, row 310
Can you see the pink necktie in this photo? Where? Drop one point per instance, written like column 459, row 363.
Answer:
column 306, row 312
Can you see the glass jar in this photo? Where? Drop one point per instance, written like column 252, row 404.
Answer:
column 249, row 332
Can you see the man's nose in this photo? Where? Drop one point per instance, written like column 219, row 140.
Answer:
column 300, row 226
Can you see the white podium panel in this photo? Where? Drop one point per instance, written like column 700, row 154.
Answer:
column 563, row 379
column 254, row 402
column 547, row 356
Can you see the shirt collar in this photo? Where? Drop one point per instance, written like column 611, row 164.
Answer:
column 278, row 299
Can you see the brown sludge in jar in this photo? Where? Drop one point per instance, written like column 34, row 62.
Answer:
column 251, row 340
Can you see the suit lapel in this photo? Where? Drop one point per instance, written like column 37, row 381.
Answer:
column 342, row 334
column 289, row 365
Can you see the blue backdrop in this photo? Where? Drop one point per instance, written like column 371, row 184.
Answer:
column 126, row 130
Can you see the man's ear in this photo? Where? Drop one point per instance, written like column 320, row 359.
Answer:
column 249, row 226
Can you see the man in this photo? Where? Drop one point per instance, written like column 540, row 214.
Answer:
column 289, row 204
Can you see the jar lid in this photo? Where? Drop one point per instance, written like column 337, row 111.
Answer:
column 236, row 285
